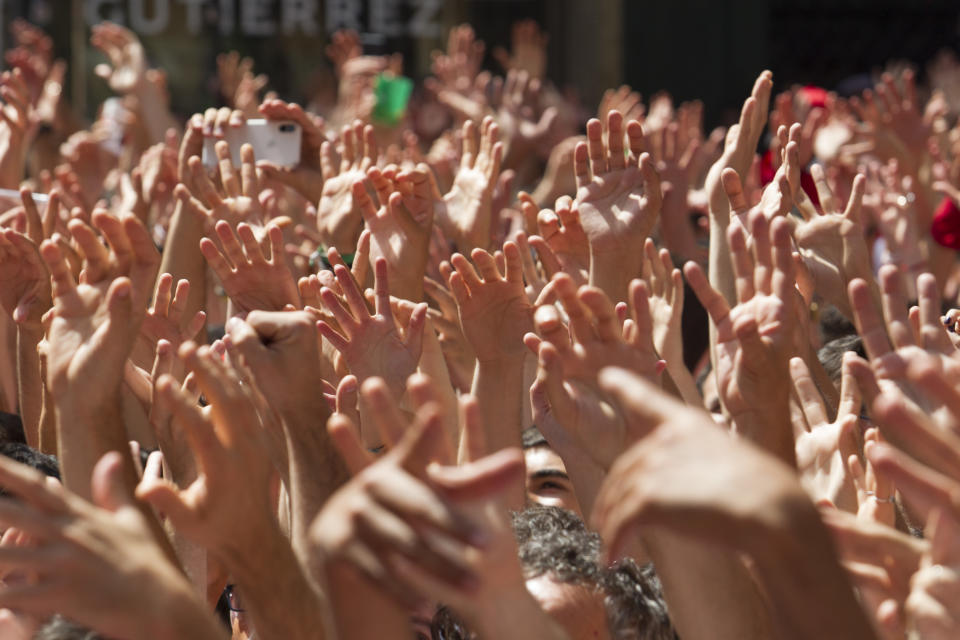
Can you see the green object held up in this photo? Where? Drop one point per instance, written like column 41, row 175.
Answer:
column 392, row 94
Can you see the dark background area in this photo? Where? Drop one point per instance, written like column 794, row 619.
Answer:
column 707, row 49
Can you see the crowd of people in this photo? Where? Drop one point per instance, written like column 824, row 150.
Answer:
column 496, row 365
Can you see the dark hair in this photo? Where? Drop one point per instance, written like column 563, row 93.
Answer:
column 554, row 541
column 834, row 324
column 830, row 355
column 11, row 428
column 58, row 628
column 531, row 437
column 24, row 454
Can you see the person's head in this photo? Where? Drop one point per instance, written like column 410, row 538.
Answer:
column 830, row 355
column 240, row 627
column 547, row 480
column 11, row 428
column 833, row 324
column 58, row 628
column 43, row 462
column 561, row 564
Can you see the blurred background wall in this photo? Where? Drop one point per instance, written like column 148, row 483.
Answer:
column 710, row 49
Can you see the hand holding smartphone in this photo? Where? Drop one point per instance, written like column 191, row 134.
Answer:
column 276, row 141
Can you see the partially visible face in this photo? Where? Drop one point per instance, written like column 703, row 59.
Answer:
column 240, row 626
column 547, row 480
column 578, row 609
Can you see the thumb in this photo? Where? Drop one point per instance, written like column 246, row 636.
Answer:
column 107, row 484
column 166, row 499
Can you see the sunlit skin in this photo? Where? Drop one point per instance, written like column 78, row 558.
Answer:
column 577, row 608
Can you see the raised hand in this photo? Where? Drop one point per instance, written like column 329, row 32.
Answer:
column 397, row 489
column 372, row 344
column 400, row 229
column 229, row 508
column 875, row 493
column 98, row 564
column 526, row 126
column 755, row 338
column 240, row 199
column 253, row 277
column 24, row 281
column 126, row 72
column 650, row 486
column 892, row 120
column 164, row 319
column 598, row 340
column 238, row 86
column 567, row 372
column 338, row 214
column 528, row 50
column 234, row 475
column 563, row 233
column 893, row 341
column 307, row 177
column 880, row 561
column 494, row 310
column 825, row 447
column 618, row 197
column 95, row 322
column 468, row 214
column 932, row 609
column 833, row 244
column 741, row 143
column 179, row 465
column 17, row 130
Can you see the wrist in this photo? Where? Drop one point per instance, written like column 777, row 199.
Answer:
column 501, row 362
column 181, row 616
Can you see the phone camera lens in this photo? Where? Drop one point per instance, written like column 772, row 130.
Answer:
column 287, row 128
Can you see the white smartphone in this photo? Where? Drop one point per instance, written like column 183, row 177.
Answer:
column 10, row 199
column 277, row 141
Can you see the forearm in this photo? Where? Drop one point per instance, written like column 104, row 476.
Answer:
column 30, row 382
column 277, row 595
column 49, row 441
column 154, row 111
column 769, row 428
column 679, row 381
column 84, row 435
column 433, row 364
column 315, row 470
column 358, row 610
column 806, row 588
column 182, row 258
column 708, row 590
column 612, row 272
column 498, row 388
column 182, row 616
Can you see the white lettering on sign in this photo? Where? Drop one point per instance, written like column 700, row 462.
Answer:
column 228, row 17
column 139, row 21
column 384, row 18
column 256, row 18
column 259, row 18
column 299, row 15
column 343, row 14
column 194, row 15
column 423, row 23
